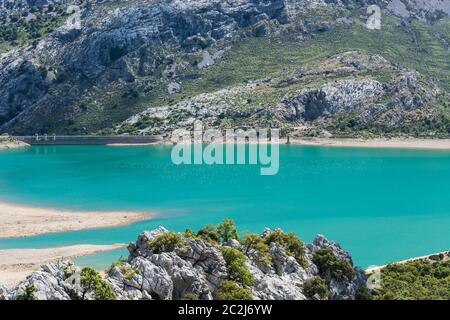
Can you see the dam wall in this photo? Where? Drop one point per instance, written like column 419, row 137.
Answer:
column 86, row 140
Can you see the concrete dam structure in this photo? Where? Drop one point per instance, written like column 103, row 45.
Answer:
column 87, row 140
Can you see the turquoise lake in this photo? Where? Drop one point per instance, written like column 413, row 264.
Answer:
column 382, row 205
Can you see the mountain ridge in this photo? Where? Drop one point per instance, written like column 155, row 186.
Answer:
column 129, row 56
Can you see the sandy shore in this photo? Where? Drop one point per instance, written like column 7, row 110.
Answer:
column 441, row 144
column 21, row 221
column 16, row 264
column 133, row 144
column 429, row 257
column 401, row 143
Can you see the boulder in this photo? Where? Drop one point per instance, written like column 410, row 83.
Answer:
column 140, row 247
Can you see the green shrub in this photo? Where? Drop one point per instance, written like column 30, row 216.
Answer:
column 363, row 294
column 328, row 263
column 237, row 267
column 209, row 233
column 290, row 243
column 167, row 242
column 227, row 230
column 190, row 296
column 230, row 290
column 188, row 233
column 91, row 281
column 415, row 280
column 127, row 271
column 314, row 286
column 252, row 241
column 28, row 294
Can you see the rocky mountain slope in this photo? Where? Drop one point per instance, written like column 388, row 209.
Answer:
column 109, row 66
column 210, row 264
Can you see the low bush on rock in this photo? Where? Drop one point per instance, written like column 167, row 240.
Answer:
column 290, row 243
column 209, row 233
column 127, row 271
column 166, row 242
column 315, row 287
column 215, row 234
column 227, row 230
column 91, row 281
column 255, row 243
column 190, row 296
column 28, row 293
column 329, row 265
column 237, row 265
column 230, row 290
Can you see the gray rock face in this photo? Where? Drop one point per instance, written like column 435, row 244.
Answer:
column 340, row 289
column 185, row 277
column 153, row 279
column 208, row 259
column 49, row 283
column 341, row 97
column 283, row 280
column 24, row 85
column 320, row 242
column 426, row 10
column 4, row 292
column 269, row 286
column 199, row 270
column 173, row 88
column 369, row 100
column 398, row 8
column 140, row 248
column 48, row 287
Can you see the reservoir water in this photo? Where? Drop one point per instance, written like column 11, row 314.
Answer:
column 382, row 205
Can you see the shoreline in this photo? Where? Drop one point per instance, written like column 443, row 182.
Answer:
column 134, row 144
column 18, row 221
column 17, row 264
column 394, row 143
column 429, row 257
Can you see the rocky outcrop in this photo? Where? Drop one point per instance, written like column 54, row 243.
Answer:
column 426, row 10
column 344, row 96
column 49, row 283
column 339, row 289
column 362, row 97
column 198, row 270
column 4, row 292
column 194, row 270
